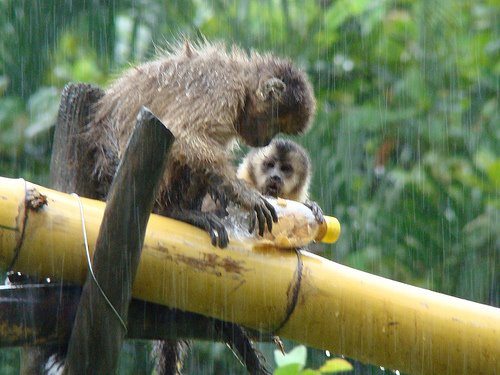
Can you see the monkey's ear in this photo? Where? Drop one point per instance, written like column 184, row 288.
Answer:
column 188, row 49
column 272, row 88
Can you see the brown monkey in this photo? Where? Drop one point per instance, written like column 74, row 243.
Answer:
column 281, row 169
column 208, row 98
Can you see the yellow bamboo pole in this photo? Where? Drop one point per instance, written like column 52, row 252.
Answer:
column 337, row 308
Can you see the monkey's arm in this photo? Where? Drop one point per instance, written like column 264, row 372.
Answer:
column 203, row 220
column 224, row 189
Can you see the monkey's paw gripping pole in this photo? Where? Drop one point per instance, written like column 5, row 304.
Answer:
column 295, row 294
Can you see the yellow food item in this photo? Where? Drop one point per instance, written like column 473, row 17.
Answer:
column 281, row 202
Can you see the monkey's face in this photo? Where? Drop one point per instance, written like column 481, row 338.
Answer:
column 260, row 120
column 278, row 177
column 281, row 171
column 281, row 102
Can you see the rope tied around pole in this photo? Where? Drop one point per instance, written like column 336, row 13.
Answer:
column 295, row 289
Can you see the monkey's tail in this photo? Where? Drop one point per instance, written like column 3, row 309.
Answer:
column 170, row 356
column 239, row 342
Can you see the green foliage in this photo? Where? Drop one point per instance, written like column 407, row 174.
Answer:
column 297, row 355
column 9, row 362
column 212, row 358
column 406, row 142
column 293, row 363
column 135, row 358
column 74, row 61
column 25, row 134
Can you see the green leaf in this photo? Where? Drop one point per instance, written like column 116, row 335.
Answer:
column 297, row 355
column 43, row 107
column 335, row 365
column 4, row 83
column 291, row 369
column 493, row 171
column 338, row 13
column 309, row 371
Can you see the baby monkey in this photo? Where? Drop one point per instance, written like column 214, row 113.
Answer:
column 281, row 169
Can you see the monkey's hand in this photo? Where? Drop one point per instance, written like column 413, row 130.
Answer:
column 261, row 210
column 203, row 220
column 224, row 190
column 316, row 210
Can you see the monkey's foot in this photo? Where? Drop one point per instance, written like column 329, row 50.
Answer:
column 204, row 220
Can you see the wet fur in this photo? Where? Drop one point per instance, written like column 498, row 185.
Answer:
column 208, row 98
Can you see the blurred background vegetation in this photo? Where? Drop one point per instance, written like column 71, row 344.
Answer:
column 406, row 142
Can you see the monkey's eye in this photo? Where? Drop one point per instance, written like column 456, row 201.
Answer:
column 286, row 168
column 269, row 164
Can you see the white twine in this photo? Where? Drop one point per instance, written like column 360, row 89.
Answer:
column 87, row 253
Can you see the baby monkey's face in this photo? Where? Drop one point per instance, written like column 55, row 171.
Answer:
column 278, row 173
column 279, row 177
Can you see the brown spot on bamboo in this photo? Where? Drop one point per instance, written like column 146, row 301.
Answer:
column 35, row 200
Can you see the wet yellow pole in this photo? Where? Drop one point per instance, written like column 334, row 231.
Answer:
column 304, row 297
